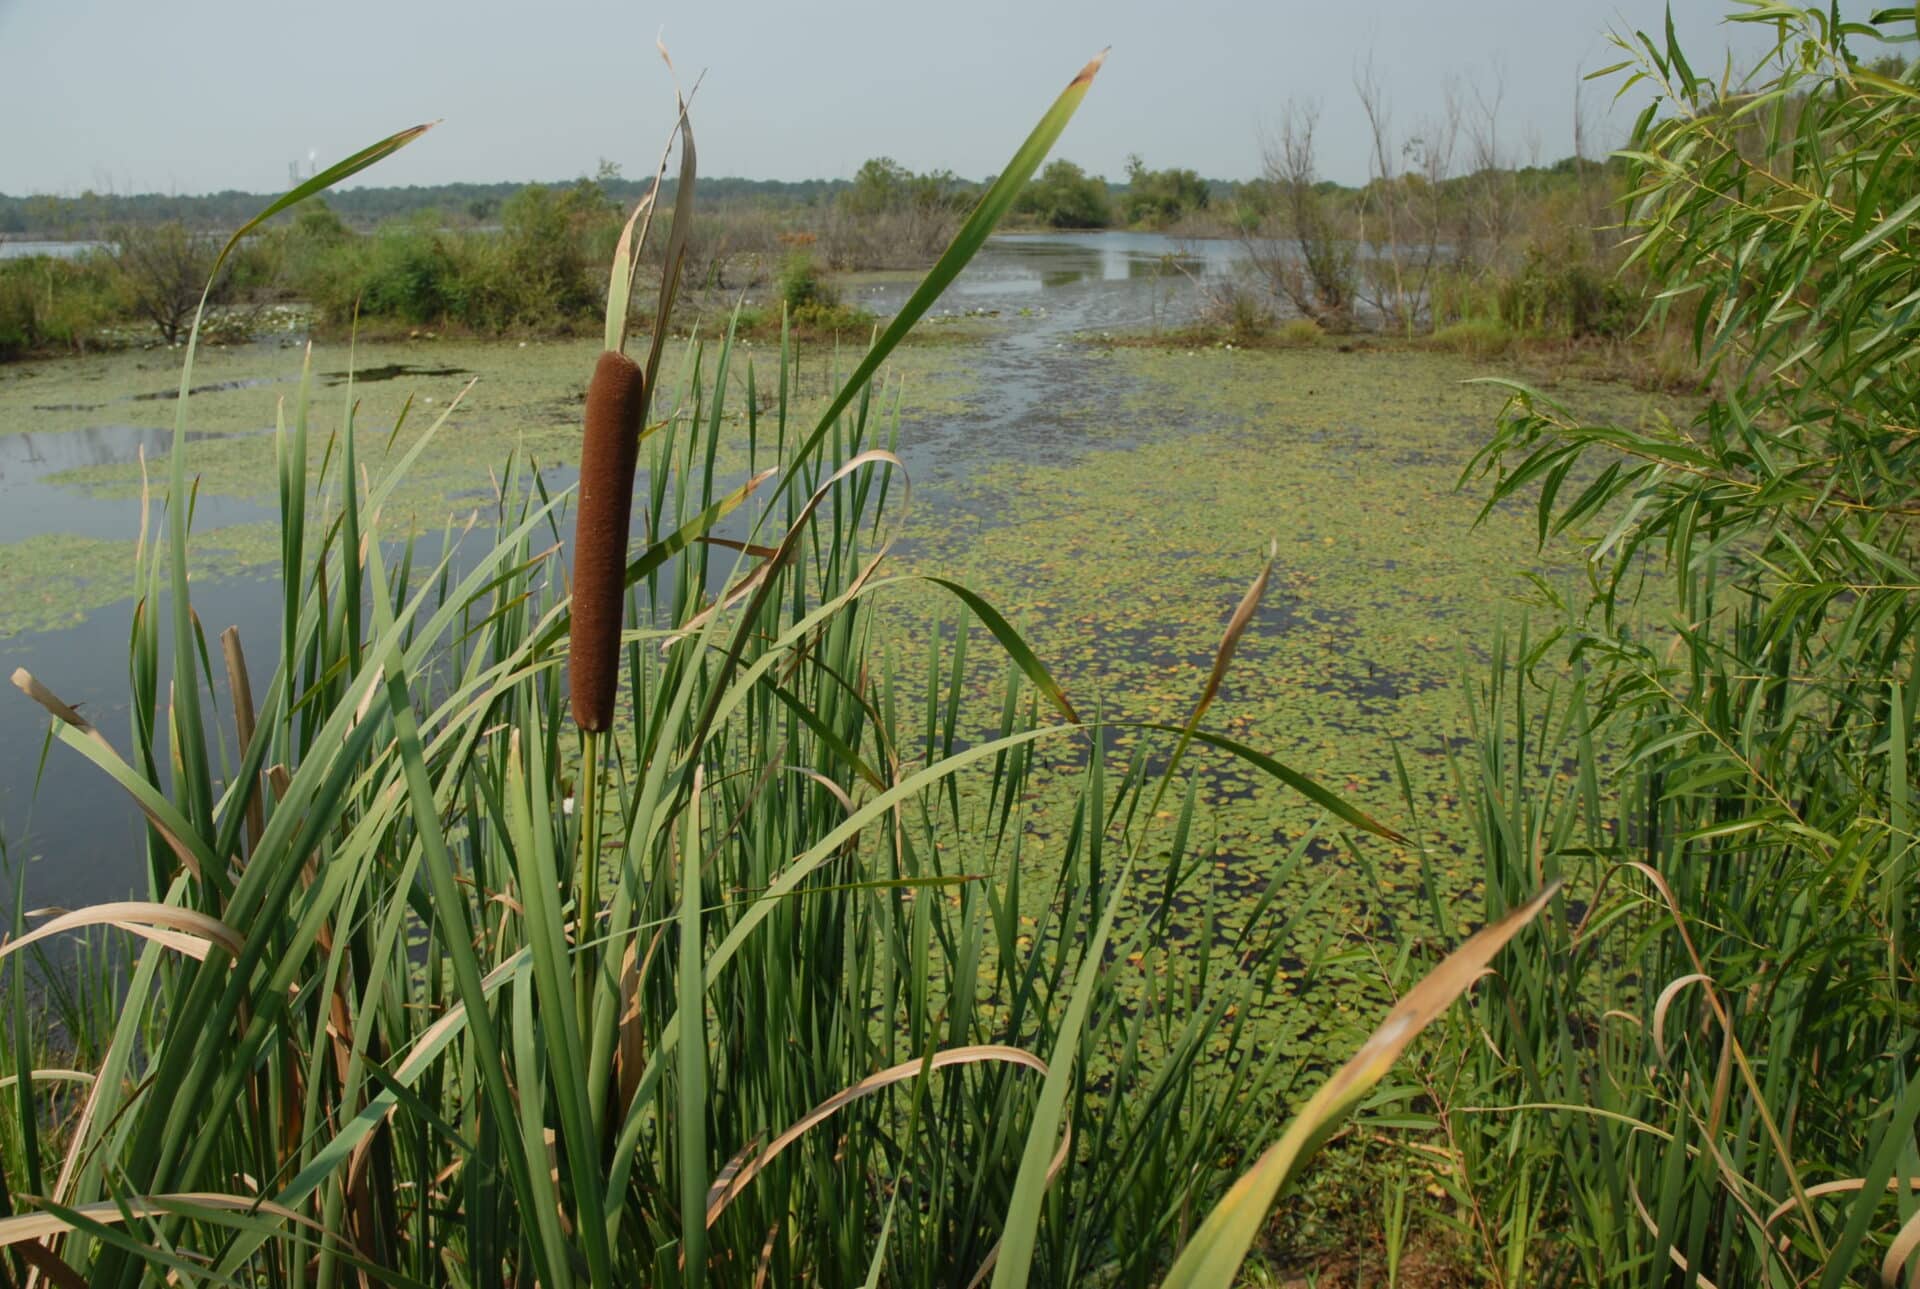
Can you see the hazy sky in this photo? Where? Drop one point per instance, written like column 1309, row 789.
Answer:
column 197, row 95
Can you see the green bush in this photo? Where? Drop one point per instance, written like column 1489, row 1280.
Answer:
column 882, row 186
column 413, row 272
column 256, row 269
column 165, row 271
column 1454, row 295
column 1065, row 196
column 535, row 273
column 1238, row 308
column 811, row 301
column 48, row 303
column 1557, row 292
column 802, row 285
column 315, row 236
column 1159, row 197
column 548, row 279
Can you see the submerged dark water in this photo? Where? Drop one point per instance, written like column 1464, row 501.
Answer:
column 31, row 502
column 74, row 839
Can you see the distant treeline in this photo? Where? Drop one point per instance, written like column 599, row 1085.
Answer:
column 94, row 214
column 91, row 213
column 1063, row 196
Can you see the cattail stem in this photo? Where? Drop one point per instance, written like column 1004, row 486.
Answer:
column 615, row 403
column 586, row 801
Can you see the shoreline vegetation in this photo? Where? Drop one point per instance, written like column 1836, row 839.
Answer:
column 1452, row 242
column 856, row 938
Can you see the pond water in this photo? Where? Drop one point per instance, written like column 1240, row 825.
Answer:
column 15, row 250
column 32, row 503
column 73, row 433
column 1113, row 501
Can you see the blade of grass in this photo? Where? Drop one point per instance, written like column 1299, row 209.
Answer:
column 1212, row 1258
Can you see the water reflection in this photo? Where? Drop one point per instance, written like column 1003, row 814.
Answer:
column 19, row 250
column 33, row 501
column 160, row 395
column 214, row 387
column 1081, row 282
column 1116, row 257
column 388, row 371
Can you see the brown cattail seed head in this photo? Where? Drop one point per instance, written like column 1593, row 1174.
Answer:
column 615, row 401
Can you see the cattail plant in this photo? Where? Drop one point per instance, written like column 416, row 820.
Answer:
column 616, row 400
column 615, row 422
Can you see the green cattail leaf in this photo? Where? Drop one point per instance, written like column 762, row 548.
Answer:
column 1212, row 1258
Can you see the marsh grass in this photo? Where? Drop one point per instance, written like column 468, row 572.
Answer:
column 1480, row 338
column 1299, row 333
